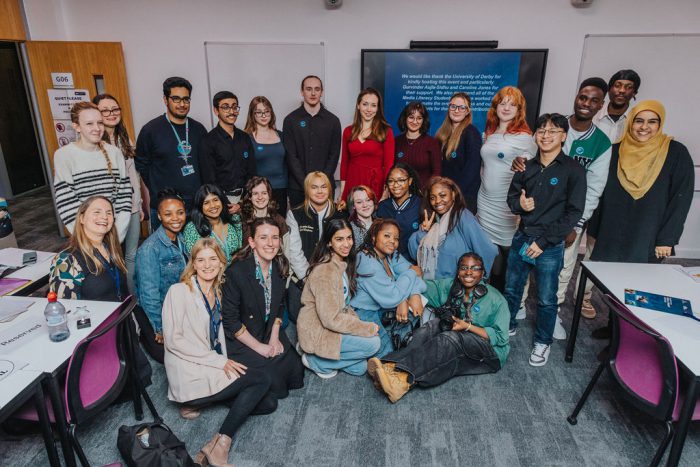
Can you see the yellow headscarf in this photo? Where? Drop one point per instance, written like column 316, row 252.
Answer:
column 640, row 163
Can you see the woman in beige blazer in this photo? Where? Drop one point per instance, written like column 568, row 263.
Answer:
column 198, row 371
column 331, row 335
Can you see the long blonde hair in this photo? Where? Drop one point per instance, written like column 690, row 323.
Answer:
column 189, row 272
column 446, row 135
column 79, row 241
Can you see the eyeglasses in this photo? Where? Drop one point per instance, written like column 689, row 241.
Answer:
column 262, row 113
column 471, row 268
column 227, row 108
column 545, row 132
column 179, row 99
column 396, row 181
column 108, row 112
column 458, row 108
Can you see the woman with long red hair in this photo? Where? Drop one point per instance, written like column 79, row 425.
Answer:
column 368, row 146
column 507, row 136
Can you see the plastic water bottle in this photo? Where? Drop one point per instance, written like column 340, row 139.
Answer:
column 56, row 319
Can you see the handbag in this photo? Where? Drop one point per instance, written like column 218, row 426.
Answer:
column 152, row 445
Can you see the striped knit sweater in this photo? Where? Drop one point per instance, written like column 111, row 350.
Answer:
column 80, row 174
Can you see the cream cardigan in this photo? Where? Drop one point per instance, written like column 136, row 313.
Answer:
column 193, row 369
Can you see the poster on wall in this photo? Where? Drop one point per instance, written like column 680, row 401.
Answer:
column 61, row 101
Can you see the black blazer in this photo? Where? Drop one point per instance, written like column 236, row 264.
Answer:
column 244, row 305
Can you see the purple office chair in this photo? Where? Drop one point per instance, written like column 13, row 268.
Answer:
column 97, row 373
column 642, row 362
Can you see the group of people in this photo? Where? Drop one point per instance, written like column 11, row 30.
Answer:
column 414, row 274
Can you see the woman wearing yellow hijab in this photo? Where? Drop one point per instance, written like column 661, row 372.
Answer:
column 648, row 193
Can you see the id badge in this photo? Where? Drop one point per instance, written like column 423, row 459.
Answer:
column 187, row 170
column 524, row 256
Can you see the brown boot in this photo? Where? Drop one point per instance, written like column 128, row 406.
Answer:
column 394, row 382
column 216, row 451
column 201, row 457
column 372, row 365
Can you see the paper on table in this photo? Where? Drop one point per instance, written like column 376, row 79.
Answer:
column 7, row 367
column 13, row 256
column 14, row 306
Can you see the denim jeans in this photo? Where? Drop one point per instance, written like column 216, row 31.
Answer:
column 547, row 268
column 375, row 316
column 354, row 352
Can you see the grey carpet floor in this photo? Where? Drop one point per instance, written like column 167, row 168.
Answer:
column 516, row 417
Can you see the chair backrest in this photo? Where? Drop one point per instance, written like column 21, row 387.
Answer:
column 643, row 363
column 97, row 370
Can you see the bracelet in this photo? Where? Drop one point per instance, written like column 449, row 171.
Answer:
column 278, row 321
column 240, row 331
column 468, row 327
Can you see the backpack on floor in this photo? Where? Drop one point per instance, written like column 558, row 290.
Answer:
column 152, row 445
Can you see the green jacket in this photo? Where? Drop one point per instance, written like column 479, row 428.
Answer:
column 490, row 312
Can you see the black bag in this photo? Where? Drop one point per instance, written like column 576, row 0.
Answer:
column 152, row 445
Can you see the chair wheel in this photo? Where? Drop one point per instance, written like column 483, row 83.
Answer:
column 571, row 420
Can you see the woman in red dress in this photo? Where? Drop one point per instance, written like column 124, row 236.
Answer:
column 368, row 146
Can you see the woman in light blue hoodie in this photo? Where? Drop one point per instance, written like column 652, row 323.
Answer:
column 386, row 281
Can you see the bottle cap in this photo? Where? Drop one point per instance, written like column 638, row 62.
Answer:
column 52, row 297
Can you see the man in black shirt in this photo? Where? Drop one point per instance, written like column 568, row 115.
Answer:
column 226, row 157
column 311, row 136
column 167, row 148
column 549, row 196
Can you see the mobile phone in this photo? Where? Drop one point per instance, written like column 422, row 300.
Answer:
column 29, row 258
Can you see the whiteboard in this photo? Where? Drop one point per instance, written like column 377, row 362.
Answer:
column 669, row 67
column 273, row 70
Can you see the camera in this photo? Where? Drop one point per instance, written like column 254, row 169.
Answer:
column 451, row 308
column 332, row 4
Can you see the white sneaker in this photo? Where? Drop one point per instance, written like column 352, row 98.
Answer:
column 329, row 375
column 512, row 331
column 521, row 314
column 559, row 331
column 539, row 354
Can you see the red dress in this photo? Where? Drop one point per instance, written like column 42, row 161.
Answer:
column 366, row 163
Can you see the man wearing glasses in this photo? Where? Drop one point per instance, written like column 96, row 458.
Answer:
column 167, row 148
column 311, row 136
column 226, row 156
column 549, row 196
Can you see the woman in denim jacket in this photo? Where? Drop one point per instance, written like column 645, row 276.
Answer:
column 160, row 261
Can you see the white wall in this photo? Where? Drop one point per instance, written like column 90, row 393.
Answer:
column 163, row 38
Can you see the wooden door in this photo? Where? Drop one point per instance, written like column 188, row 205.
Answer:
column 90, row 63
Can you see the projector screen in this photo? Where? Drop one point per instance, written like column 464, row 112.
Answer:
column 432, row 76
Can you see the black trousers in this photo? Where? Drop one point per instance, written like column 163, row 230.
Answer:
column 147, row 337
column 433, row 357
column 247, row 395
column 498, row 271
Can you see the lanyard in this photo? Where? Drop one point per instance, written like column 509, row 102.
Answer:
column 183, row 147
column 214, row 319
column 113, row 272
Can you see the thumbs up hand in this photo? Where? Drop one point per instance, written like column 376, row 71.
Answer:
column 528, row 204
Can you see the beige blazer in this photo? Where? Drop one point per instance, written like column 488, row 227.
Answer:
column 324, row 316
column 193, row 369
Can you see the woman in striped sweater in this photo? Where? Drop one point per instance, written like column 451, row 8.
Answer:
column 90, row 167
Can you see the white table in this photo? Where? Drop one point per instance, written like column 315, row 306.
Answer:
column 50, row 358
column 683, row 333
column 15, row 390
column 37, row 274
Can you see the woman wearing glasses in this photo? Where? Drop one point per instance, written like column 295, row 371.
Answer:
column 415, row 146
column 117, row 135
column 368, row 145
column 476, row 344
column 268, row 148
column 403, row 203
column 507, row 137
column 461, row 143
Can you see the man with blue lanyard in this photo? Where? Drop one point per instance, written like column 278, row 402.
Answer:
column 167, row 148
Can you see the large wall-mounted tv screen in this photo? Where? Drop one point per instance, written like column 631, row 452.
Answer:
column 432, row 76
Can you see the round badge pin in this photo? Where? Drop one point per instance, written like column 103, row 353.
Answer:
column 415, row 225
column 245, row 154
column 302, row 123
column 579, row 150
column 553, row 181
column 260, row 148
column 453, row 155
column 400, row 154
column 501, row 155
